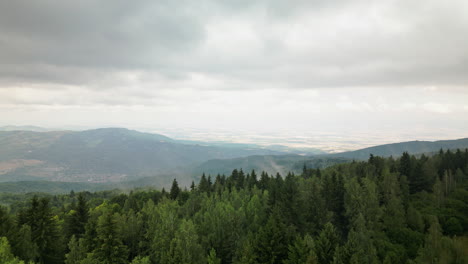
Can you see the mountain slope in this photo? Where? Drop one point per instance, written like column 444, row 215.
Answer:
column 101, row 155
column 271, row 164
column 396, row 149
column 286, row 163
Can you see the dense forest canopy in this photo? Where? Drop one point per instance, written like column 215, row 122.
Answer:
column 384, row 210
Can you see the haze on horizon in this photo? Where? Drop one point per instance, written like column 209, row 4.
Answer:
column 398, row 69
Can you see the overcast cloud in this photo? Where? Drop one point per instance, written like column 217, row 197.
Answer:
column 264, row 64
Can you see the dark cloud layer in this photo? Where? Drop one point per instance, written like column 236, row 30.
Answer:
column 287, row 44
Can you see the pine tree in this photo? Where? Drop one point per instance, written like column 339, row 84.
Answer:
column 185, row 248
column 264, row 182
column 302, row 252
column 252, row 180
column 24, row 246
column 175, row 190
column 245, row 253
column 359, row 248
column 204, row 186
column 77, row 218
column 44, row 232
column 314, row 211
column 326, row 244
column 110, row 249
column 192, row 186
column 240, row 180
column 82, row 214
column 405, row 165
column 289, row 202
column 272, row 241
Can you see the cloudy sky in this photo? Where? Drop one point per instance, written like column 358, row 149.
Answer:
column 263, row 65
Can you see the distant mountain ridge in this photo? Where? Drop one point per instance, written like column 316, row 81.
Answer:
column 294, row 163
column 102, row 155
column 24, row 128
column 396, row 149
column 112, row 155
column 271, row 164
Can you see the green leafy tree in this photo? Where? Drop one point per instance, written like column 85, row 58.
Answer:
column 6, row 223
column 414, row 219
column 437, row 248
column 5, row 253
column 163, row 223
column 141, row 260
column 77, row 251
column 212, row 258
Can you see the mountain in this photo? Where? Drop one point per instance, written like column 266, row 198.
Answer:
column 23, row 128
column 294, row 163
column 103, row 155
column 56, row 187
column 279, row 148
column 396, row 149
column 139, row 159
column 271, row 164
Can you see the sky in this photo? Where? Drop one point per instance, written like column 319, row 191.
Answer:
column 350, row 67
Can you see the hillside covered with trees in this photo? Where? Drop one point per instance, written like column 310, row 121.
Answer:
column 383, row 210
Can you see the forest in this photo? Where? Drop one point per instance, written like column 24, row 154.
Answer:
column 410, row 209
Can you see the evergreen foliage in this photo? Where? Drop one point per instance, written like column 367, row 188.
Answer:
column 385, row 210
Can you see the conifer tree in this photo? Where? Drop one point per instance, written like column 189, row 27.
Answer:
column 110, row 249
column 359, row 247
column 204, row 186
column 175, row 190
column 240, row 180
column 245, row 253
column 192, row 186
column 252, row 180
column 185, row 248
column 24, row 246
column 302, row 251
column 44, row 231
column 326, row 244
column 405, row 165
column 272, row 241
column 77, row 218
